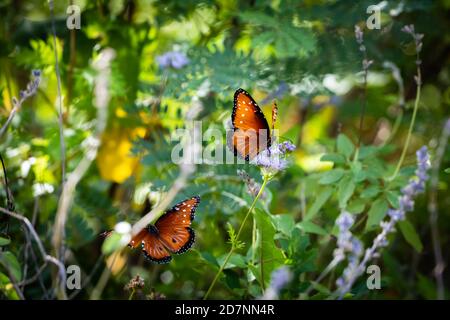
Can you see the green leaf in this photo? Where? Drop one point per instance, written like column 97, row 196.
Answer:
column 285, row 223
column 112, row 243
column 321, row 199
column 376, row 213
column 374, row 169
column 345, row 146
column 333, row 157
column 358, row 174
column 370, row 192
column 232, row 279
column 309, row 227
column 320, row 288
column 392, row 197
column 367, row 151
column 267, row 251
column 236, row 260
column 7, row 288
column 4, row 241
column 447, row 170
column 356, row 206
column 410, row 235
column 426, row 287
column 238, row 244
column 208, row 257
column 331, row 176
column 345, row 190
column 10, row 262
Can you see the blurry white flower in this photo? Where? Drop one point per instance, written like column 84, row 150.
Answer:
column 124, row 229
column 40, row 189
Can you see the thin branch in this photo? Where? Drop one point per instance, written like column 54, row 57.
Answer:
column 88, row 279
column 35, row 277
column 92, row 144
column 60, row 102
column 46, row 257
column 31, row 90
column 323, row 274
column 434, row 213
column 187, row 167
column 71, row 67
column 365, row 64
column 101, row 284
column 418, row 78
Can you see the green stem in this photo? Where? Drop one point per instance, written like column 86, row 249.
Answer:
column 132, row 294
column 411, row 126
column 254, row 241
column 233, row 245
column 261, row 263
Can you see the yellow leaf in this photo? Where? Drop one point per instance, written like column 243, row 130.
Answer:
column 317, row 127
column 116, row 262
column 115, row 161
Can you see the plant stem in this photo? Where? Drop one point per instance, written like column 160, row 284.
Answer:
column 132, row 294
column 261, row 262
column 411, row 125
column 254, row 241
column 433, row 209
column 363, row 108
column 233, row 245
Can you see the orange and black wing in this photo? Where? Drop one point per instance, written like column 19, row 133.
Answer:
column 251, row 131
column 174, row 226
column 152, row 246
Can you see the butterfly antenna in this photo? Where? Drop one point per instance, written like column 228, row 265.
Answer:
column 274, row 117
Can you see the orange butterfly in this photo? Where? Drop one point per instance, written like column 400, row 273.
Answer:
column 172, row 233
column 251, row 132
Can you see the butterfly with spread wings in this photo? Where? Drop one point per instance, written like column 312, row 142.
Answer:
column 171, row 234
column 251, row 132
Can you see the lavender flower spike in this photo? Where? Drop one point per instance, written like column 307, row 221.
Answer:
column 280, row 278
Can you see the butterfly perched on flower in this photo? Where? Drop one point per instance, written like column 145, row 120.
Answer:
column 171, row 234
column 251, row 132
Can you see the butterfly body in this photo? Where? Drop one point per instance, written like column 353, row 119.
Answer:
column 251, row 132
column 171, row 234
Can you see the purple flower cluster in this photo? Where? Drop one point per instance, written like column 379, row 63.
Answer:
column 416, row 36
column 406, row 203
column 347, row 244
column 414, row 186
column 359, row 37
column 172, row 59
column 31, row 89
column 273, row 159
column 279, row 279
column 360, row 40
